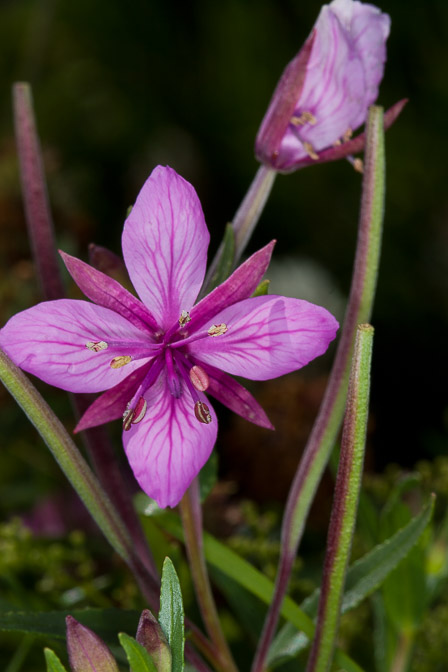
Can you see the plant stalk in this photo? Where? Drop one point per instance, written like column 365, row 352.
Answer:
column 329, row 418
column 345, row 504
column 191, row 514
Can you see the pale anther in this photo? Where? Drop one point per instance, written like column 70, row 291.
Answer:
column 309, row 149
column 120, row 361
column 217, row 330
column 139, row 411
column 305, row 118
column 199, row 378
column 202, row 412
column 184, row 318
column 347, row 135
column 127, row 419
column 358, row 165
column 96, row 346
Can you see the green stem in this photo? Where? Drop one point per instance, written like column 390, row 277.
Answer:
column 41, row 234
column 403, row 653
column 75, row 468
column 191, row 514
column 246, row 219
column 328, row 421
column 345, row 505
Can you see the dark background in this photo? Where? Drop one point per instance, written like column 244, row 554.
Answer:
column 120, row 87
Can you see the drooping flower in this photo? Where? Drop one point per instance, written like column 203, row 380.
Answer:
column 156, row 357
column 325, row 91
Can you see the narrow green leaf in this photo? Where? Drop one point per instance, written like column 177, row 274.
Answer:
column 53, row 662
column 262, row 288
column 363, row 578
column 171, row 615
column 225, row 265
column 246, row 575
column 138, row 657
column 105, row 622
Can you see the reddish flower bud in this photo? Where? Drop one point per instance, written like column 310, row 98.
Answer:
column 151, row 636
column 86, row 651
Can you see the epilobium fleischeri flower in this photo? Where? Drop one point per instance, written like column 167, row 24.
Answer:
column 156, row 357
column 325, row 91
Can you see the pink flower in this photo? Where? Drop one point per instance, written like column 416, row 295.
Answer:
column 156, row 357
column 325, row 91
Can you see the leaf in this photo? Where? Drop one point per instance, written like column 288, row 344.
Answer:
column 404, row 591
column 250, row 578
column 53, row 662
column 363, row 578
column 171, row 615
column 105, row 622
column 226, row 259
column 262, row 288
column 138, row 657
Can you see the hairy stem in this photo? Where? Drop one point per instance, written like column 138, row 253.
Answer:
column 328, row 421
column 345, row 504
column 191, row 514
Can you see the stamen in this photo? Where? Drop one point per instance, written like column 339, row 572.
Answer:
column 96, row 346
column 184, row 318
column 217, row 330
column 139, row 411
column 132, row 416
column 356, row 163
column 347, row 135
column 305, row 118
column 202, row 412
column 199, row 378
column 118, row 362
column 309, row 149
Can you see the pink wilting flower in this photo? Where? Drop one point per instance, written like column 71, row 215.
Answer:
column 325, row 91
column 156, row 357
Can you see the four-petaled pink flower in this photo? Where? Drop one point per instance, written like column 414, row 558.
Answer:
column 156, row 357
column 325, row 91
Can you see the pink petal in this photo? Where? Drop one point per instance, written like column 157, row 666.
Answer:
column 335, row 85
column 165, row 241
column 266, row 337
column 112, row 404
column 49, row 341
column 233, row 395
column 168, row 448
column 240, row 285
column 104, row 291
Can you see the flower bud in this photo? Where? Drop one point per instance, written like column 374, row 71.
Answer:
column 86, row 651
column 150, row 635
column 326, row 90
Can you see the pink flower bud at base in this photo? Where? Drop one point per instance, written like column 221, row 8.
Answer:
column 86, row 651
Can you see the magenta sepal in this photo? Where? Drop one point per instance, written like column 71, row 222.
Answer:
column 240, row 285
column 237, row 398
column 107, row 292
column 111, row 405
column 351, row 147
